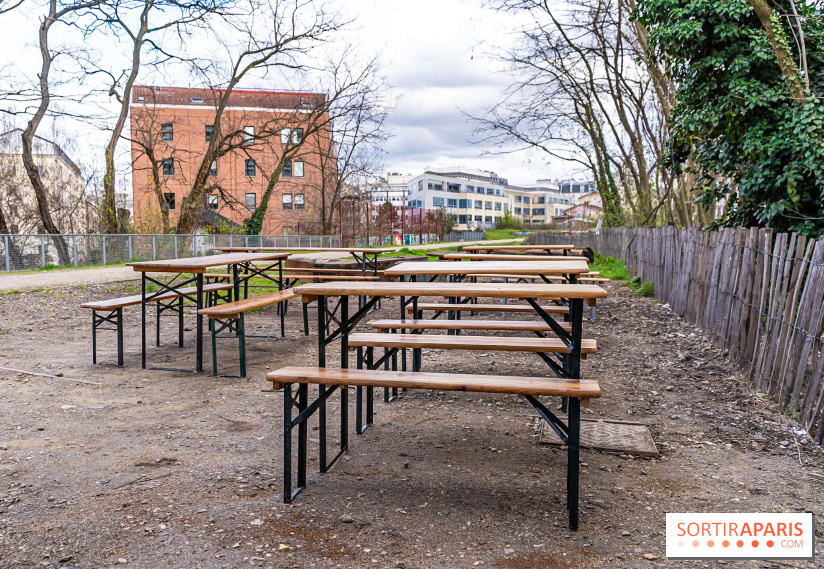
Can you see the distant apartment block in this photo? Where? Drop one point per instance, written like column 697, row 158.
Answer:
column 171, row 128
column 391, row 189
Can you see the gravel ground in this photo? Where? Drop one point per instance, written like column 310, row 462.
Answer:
column 155, row 469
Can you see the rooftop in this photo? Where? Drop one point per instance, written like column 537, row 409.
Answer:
column 201, row 97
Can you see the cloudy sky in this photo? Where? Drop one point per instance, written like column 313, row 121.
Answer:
column 436, row 56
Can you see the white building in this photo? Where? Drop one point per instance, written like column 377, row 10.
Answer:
column 391, row 189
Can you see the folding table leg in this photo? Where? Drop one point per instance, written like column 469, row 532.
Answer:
column 180, row 322
column 214, row 346
column 241, row 337
column 120, row 336
column 573, row 457
column 94, row 336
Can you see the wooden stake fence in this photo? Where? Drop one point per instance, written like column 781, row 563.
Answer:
column 756, row 295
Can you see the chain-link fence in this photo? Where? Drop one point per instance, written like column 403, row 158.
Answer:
column 26, row 252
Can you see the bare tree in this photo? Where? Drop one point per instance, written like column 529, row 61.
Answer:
column 263, row 37
column 53, row 16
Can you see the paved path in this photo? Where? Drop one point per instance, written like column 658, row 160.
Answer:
column 95, row 275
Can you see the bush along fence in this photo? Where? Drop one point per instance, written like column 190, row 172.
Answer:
column 25, row 252
column 756, row 294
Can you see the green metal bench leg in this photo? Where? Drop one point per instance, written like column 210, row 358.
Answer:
column 214, row 346
column 241, row 336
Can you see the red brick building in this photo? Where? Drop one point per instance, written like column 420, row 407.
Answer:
column 170, row 131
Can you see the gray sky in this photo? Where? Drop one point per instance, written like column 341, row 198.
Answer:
column 435, row 55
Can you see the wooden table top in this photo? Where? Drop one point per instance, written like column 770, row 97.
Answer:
column 200, row 264
column 488, row 268
column 503, row 257
column 375, row 250
column 493, row 290
column 518, row 247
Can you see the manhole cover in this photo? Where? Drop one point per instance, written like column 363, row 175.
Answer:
column 608, row 435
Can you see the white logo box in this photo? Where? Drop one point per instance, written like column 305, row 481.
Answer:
column 753, row 535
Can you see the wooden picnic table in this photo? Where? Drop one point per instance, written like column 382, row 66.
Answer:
column 197, row 267
column 570, row 269
column 570, row 367
column 493, row 247
column 367, row 257
column 504, row 257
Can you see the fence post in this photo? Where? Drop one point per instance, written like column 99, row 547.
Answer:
column 230, row 240
column 194, row 245
column 8, row 261
column 310, row 241
column 247, row 240
column 175, row 245
column 154, row 248
column 104, row 250
column 74, row 248
column 298, row 241
column 130, row 247
column 43, row 250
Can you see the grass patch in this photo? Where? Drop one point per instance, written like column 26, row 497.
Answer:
column 615, row 269
column 503, row 234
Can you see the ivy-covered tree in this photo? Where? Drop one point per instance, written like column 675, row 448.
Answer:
column 749, row 117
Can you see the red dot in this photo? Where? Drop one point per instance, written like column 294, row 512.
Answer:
column 739, row 543
column 710, row 543
column 695, row 543
column 755, row 543
column 770, row 543
column 725, row 543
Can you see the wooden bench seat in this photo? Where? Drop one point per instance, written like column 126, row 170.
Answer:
column 302, row 276
column 502, row 325
column 578, row 392
column 115, row 303
column 492, row 343
column 536, row 277
column 523, row 308
column 230, row 316
column 113, row 307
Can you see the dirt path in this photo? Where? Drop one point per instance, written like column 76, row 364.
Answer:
column 152, row 469
column 96, row 275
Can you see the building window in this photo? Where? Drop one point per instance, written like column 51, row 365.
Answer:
column 196, row 100
column 287, row 201
column 470, row 189
column 170, row 200
column 453, row 187
column 487, row 205
column 497, row 192
column 540, row 211
column 168, row 167
column 287, row 170
column 429, row 185
column 211, row 201
column 479, row 218
column 167, row 132
column 210, row 130
column 297, row 135
column 479, row 204
column 464, row 203
column 284, row 136
column 437, row 202
column 526, row 211
column 248, row 134
column 420, row 185
column 518, row 211
column 297, row 168
column 498, row 206
column 526, row 199
column 517, row 199
column 251, row 201
column 506, row 207
column 299, row 201
column 213, row 169
column 490, row 191
column 251, row 171
column 480, row 189
column 451, row 203
column 576, row 188
column 463, row 219
column 541, row 200
column 488, row 219
column 437, row 187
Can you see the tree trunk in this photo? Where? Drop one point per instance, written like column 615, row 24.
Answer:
column 782, row 53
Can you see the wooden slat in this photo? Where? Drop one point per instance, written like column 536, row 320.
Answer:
column 200, row 264
column 234, row 309
column 132, row 300
column 466, row 342
column 504, row 257
column 375, row 250
column 488, row 267
column 517, row 385
column 492, row 247
column 502, row 325
column 492, row 290
column 488, row 308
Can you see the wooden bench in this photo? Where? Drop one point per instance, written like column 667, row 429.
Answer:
column 494, row 343
column 114, row 309
column 440, row 308
column 330, row 380
column 230, row 316
column 498, row 325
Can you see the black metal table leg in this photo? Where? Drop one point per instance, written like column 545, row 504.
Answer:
column 143, row 319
